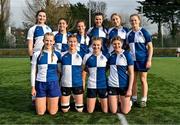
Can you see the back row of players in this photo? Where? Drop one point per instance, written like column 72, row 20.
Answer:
column 98, row 48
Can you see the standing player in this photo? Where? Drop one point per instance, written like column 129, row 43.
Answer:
column 71, row 80
column 117, row 30
column 44, row 77
column 83, row 39
column 98, row 30
column 120, row 78
column 35, row 36
column 95, row 64
column 61, row 36
column 141, row 49
column 36, row 33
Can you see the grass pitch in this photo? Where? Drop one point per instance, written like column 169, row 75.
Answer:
column 163, row 102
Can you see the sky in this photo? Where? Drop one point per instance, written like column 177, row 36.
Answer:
column 124, row 7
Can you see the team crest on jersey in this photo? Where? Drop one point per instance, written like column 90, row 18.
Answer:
column 77, row 56
column 101, row 57
column 47, row 27
column 140, row 34
column 121, row 55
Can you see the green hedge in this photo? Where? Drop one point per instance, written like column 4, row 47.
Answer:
column 23, row 52
column 14, row 52
column 165, row 52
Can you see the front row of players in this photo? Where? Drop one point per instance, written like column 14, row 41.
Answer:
column 73, row 67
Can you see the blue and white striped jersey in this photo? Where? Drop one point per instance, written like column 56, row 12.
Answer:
column 137, row 42
column 71, row 69
column 113, row 32
column 98, row 32
column 36, row 34
column 44, row 69
column 83, row 43
column 61, row 41
column 119, row 63
column 96, row 66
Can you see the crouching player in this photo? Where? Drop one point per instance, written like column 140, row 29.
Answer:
column 121, row 77
column 95, row 64
column 44, row 77
column 71, row 81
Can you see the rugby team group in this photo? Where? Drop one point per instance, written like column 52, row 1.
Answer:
column 103, row 63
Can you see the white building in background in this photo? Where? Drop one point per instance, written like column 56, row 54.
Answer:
column 11, row 39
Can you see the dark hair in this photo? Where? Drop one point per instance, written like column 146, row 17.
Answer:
column 96, row 38
column 117, row 38
column 72, row 36
column 80, row 21
column 63, row 19
column 99, row 14
column 37, row 13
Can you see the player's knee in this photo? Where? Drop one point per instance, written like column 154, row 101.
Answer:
column 125, row 111
column 105, row 111
column 40, row 113
column 114, row 111
column 52, row 112
column 79, row 107
column 143, row 80
column 90, row 110
column 65, row 107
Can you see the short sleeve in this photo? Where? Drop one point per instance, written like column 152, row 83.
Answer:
column 30, row 34
column 147, row 36
column 129, row 58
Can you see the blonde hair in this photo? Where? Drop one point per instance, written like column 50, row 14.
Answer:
column 45, row 35
column 115, row 14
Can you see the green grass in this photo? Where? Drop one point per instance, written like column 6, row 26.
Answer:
column 163, row 104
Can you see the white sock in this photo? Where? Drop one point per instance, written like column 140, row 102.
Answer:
column 134, row 98
column 144, row 99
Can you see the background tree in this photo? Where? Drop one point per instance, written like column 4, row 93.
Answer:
column 98, row 7
column 4, row 20
column 55, row 9
column 77, row 11
column 161, row 11
column 153, row 10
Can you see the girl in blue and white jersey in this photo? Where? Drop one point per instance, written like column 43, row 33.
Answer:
column 95, row 64
column 44, row 77
column 83, row 39
column 117, row 30
column 71, row 80
column 36, row 33
column 61, row 36
column 98, row 30
column 121, row 77
column 141, row 49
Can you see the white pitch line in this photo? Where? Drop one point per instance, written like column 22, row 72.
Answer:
column 122, row 119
